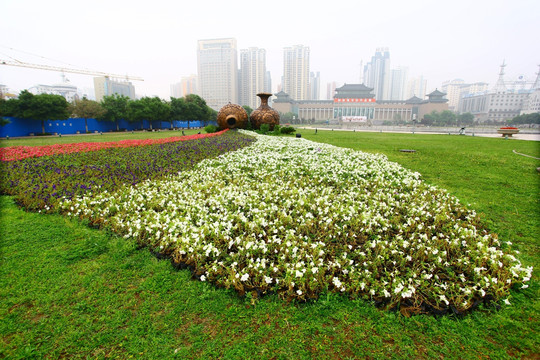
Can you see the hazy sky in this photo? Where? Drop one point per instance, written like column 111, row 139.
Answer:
column 157, row 40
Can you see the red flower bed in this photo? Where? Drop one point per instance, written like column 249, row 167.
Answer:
column 509, row 128
column 12, row 153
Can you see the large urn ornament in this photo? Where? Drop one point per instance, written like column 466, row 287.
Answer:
column 264, row 113
column 232, row 116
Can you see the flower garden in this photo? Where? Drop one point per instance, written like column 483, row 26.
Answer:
column 281, row 215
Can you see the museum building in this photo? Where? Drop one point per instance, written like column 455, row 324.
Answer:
column 356, row 104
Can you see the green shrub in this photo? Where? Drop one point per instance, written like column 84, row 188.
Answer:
column 210, row 129
column 277, row 130
column 265, row 128
column 287, row 130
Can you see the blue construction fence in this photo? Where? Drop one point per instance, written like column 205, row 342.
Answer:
column 24, row 127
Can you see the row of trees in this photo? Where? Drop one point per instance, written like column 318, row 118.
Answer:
column 113, row 108
column 530, row 119
column 447, row 118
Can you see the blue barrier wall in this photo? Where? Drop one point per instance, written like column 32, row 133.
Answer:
column 23, row 127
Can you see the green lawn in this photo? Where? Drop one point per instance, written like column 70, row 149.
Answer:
column 69, row 291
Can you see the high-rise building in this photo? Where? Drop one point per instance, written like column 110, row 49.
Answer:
column 377, row 74
column 331, row 90
column 457, row 88
column 217, row 67
column 104, row 86
column 253, row 75
column 268, row 82
column 315, row 85
column 399, row 83
column 186, row 86
column 296, row 72
column 416, row 87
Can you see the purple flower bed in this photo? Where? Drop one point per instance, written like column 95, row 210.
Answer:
column 38, row 183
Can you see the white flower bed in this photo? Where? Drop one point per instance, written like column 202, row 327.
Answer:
column 300, row 218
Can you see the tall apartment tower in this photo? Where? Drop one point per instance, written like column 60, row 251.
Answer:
column 252, row 76
column 377, row 74
column 296, row 72
column 399, row 83
column 315, row 85
column 416, row 87
column 331, row 90
column 217, row 67
column 186, row 86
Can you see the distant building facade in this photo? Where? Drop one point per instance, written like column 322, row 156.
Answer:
column 416, row 87
column 65, row 89
column 105, row 86
column 296, row 72
column 398, row 83
column 314, row 85
column 356, row 104
column 377, row 73
column 457, row 88
column 253, row 76
column 331, row 90
column 217, row 67
column 186, row 86
column 503, row 102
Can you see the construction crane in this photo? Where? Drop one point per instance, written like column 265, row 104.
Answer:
column 67, row 70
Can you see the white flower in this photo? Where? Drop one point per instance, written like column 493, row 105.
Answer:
column 299, row 292
column 244, row 277
column 203, row 278
column 507, row 302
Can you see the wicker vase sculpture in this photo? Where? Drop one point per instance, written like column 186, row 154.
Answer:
column 232, row 116
column 264, row 113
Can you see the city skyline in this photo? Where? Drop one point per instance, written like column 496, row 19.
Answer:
column 439, row 42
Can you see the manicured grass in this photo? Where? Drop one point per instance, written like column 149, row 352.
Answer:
column 68, row 291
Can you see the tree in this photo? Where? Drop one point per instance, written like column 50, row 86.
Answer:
column 447, row 118
column 87, row 109
column 151, row 109
column 198, row 109
column 41, row 107
column 179, row 109
column 290, row 116
column 530, row 119
column 116, row 108
column 465, row 119
column 248, row 109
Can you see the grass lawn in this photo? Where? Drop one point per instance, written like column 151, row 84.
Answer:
column 69, row 291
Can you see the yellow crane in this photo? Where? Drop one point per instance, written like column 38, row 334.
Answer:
column 67, row 70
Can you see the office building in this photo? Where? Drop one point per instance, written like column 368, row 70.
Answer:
column 457, row 88
column 502, row 103
column 416, row 87
column 315, row 85
column 253, row 76
column 398, row 83
column 105, row 86
column 377, row 74
column 331, row 90
column 296, row 72
column 186, row 86
column 217, row 67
